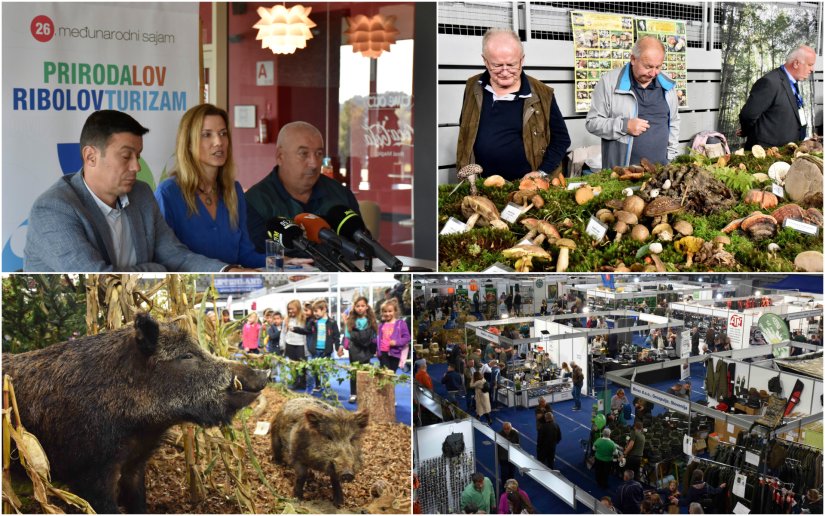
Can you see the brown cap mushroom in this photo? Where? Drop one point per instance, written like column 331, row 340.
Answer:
column 583, row 194
column 470, row 173
column 620, row 227
column 634, row 204
column 476, row 207
column 639, row 233
column 660, row 207
column 494, row 181
column 759, row 226
column 808, row 261
column 565, row 245
column 530, row 182
column 605, row 216
column 524, row 255
column 689, row 245
column 789, row 211
column 546, row 229
column 663, row 232
column 813, row 216
column 721, row 241
column 627, row 217
column 683, row 227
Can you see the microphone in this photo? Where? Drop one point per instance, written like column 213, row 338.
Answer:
column 349, row 224
column 319, row 232
column 291, row 236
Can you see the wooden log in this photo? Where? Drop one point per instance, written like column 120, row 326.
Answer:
column 379, row 400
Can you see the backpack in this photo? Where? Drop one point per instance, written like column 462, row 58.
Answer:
column 453, row 445
column 718, row 146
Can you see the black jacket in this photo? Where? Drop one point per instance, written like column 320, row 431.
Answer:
column 362, row 345
column 311, row 332
column 771, row 116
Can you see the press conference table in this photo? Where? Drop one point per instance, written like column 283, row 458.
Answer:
column 410, row 265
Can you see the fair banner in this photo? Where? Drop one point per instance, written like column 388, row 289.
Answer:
column 63, row 61
column 673, row 35
column 601, row 42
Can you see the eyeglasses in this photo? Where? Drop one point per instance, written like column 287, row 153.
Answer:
column 500, row 67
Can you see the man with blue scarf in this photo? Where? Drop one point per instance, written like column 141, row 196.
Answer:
column 634, row 109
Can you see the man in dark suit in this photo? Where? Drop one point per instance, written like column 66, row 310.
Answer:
column 775, row 113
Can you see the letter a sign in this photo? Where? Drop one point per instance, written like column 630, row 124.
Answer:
column 265, row 73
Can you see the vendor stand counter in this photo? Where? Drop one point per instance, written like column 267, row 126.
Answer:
column 528, row 397
column 606, row 365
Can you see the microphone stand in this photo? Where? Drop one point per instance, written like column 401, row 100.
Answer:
column 367, row 258
column 323, row 263
column 338, row 257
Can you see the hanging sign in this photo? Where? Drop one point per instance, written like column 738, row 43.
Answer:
column 673, row 36
column 71, row 59
column 601, row 42
column 736, row 329
column 665, row 400
column 486, row 335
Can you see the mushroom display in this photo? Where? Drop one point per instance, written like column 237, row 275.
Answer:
column 524, row 255
column 720, row 241
column 606, row 216
column 808, row 261
column 584, row 194
column 663, row 232
column 524, row 196
column 759, row 226
column 788, row 211
column 542, row 228
column 639, row 233
column 765, row 200
column 758, row 151
column 683, row 227
column 655, row 250
column 689, row 246
column 534, row 182
column 634, row 204
column 565, row 245
column 477, row 208
column 470, row 173
column 495, row 181
column 660, row 207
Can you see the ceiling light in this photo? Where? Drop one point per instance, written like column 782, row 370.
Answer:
column 284, row 30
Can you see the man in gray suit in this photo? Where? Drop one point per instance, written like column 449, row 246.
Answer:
column 775, row 112
column 103, row 218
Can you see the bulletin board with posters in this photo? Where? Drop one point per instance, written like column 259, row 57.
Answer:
column 601, row 42
column 673, row 35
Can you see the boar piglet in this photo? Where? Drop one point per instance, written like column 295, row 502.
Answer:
column 100, row 404
column 310, row 434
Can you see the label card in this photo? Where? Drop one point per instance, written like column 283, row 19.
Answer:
column 596, row 228
column 741, row 509
column 573, row 186
column 739, row 485
column 778, row 190
column 752, row 458
column 511, row 212
column 262, row 428
column 525, row 241
column 687, row 445
column 454, row 226
column 802, row 227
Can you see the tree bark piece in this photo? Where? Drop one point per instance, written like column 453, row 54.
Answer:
column 379, row 400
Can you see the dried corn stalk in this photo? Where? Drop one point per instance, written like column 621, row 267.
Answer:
column 33, row 459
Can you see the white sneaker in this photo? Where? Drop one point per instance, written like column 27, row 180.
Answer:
column 353, row 398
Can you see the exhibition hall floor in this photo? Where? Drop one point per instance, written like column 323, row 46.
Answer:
column 575, row 427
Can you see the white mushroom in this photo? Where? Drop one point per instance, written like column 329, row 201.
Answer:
column 773, row 248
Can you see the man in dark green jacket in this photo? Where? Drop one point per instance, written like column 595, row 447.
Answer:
column 295, row 185
column 510, row 123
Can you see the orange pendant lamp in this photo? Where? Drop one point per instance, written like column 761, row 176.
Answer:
column 371, row 36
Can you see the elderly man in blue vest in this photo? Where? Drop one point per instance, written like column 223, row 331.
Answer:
column 634, row 109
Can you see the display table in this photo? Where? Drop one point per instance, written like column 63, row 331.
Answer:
column 605, row 365
column 552, row 391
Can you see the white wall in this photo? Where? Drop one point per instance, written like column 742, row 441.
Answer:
column 459, row 57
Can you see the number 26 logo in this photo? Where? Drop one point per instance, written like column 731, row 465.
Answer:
column 42, row 28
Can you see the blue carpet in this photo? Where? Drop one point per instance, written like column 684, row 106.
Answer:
column 340, row 383
column 575, row 427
